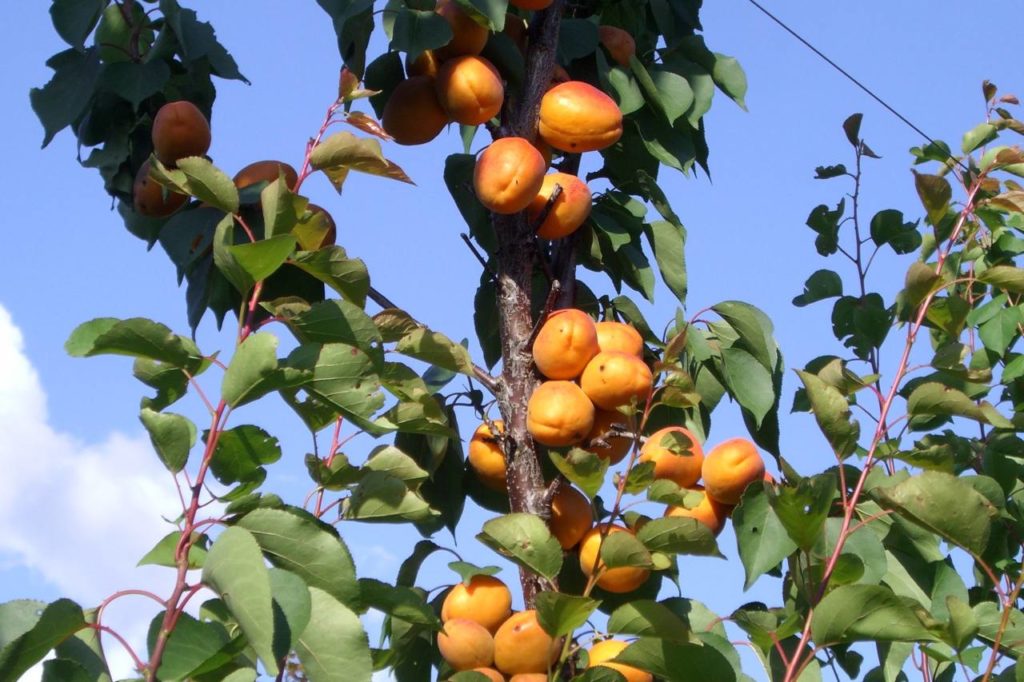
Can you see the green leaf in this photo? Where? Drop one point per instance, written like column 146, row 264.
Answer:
column 75, row 19
column 65, row 97
column 254, row 362
column 978, row 136
column 191, row 643
column 208, row 183
column 162, row 553
column 399, row 602
column 136, row 337
column 668, row 241
column 754, row 329
column 832, row 412
column 935, row 399
column 415, row 31
column 676, row 662
column 294, row 540
column 803, row 509
column 935, row 193
column 380, row 496
column 489, row 13
column 292, row 606
column 562, row 614
column 342, row 152
column 241, row 452
column 343, row 377
column 730, row 78
column 29, row 630
column 169, row 381
column 261, row 259
column 172, row 436
column 963, row 626
column 437, row 349
column 826, row 224
column 851, row 613
column 1005, row 277
column 749, row 382
column 648, row 618
column 334, row 647
column 235, row 570
column 581, row 467
column 822, row 284
column 674, row 93
column 676, row 535
column 223, row 240
column 624, row 550
column 761, row 537
column 135, row 82
column 888, row 227
column 332, row 266
column 526, row 540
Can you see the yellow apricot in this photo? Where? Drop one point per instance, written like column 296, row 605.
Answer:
column 465, row 644
column 612, row 379
column 615, row 448
column 491, row 673
column 566, row 342
column 730, row 467
column 521, row 645
column 682, row 469
column 569, row 210
column 709, row 512
column 620, row 579
column 604, row 651
column 619, row 336
column 508, row 175
column 486, row 456
column 559, row 413
column 470, row 90
column 577, row 117
column 468, row 37
column 571, row 516
column 413, row 114
column 486, row 600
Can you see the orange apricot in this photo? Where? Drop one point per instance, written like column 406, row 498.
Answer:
column 468, row 37
column 529, row 677
column 150, row 198
column 465, row 644
column 619, row 336
column 470, row 90
column 508, row 175
column 614, row 448
column 604, row 651
column 424, row 65
column 180, row 130
column 612, row 379
column 559, row 413
column 265, row 171
column 569, row 210
column 577, row 117
column 709, row 512
column 565, row 344
column 571, row 516
column 730, row 467
column 492, row 674
column 486, row 456
column 486, row 600
column 521, row 645
column 680, row 465
column 619, row 43
column 620, row 579
column 413, row 114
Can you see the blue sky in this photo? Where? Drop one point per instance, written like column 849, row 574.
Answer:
column 75, row 460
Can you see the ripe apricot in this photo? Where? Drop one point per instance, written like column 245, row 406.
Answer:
column 730, row 467
column 615, row 448
column 577, row 117
column 468, row 37
column 521, row 645
column 559, row 413
column 568, row 212
column 571, row 516
column 180, row 130
column 682, row 467
column 470, row 90
column 491, row 673
column 424, row 65
column 486, row 600
column 508, row 175
column 531, row 4
column 529, row 677
column 620, row 579
column 265, row 171
column 612, row 379
column 413, row 114
column 150, row 198
column 486, row 456
column 618, row 336
column 608, row 649
column 565, row 344
column 619, row 43
column 465, row 644
column 709, row 512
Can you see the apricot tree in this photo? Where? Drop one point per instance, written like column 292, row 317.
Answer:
column 866, row 547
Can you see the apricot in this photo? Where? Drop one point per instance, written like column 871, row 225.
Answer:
column 730, row 467
column 150, row 198
column 465, row 644
column 619, row 43
column 559, row 413
column 265, row 171
column 468, row 37
column 608, row 649
column 569, row 210
column 485, row 600
column 508, row 174
column 487, row 458
column 571, row 516
column 566, row 342
column 529, row 677
column 491, row 673
column 521, row 645
column 620, row 579
column 709, row 512
column 531, row 4
column 612, row 379
column 424, row 65
column 470, row 90
column 681, row 468
column 180, row 130
column 114, row 34
column 577, row 117
column 619, row 336
column 413, row 114
column 616, row 447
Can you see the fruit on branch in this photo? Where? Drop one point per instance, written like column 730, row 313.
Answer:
column 619, row 43
column 730, row 467
column 465, row 644
column 485, row 600
column 492, row 674
column 619, row 336
column 566, row 342
column 571, row 516
column 180, row 130
column 559, row 413
column 577, row 117
column 529, row 677
column 468, row 37
column 678, row 463
column 508, row 174
column 569, row 210
column 265, row 171
column 426, row 64
column 470, row 90
column 614, row 379
column 619, row 579
column 521, row 645
column 486, row 456
column 150, row 198
column 413, row 114
column 612, row 447
column 709, row 512
column 602, row 652
column 114, row 33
